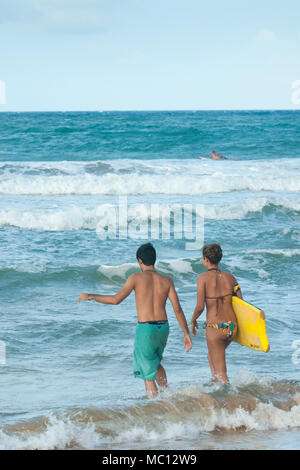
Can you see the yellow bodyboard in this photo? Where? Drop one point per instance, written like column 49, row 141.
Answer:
column 251, row 325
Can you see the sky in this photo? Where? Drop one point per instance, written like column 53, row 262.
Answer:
column 77, row 55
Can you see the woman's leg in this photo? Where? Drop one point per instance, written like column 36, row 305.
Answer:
column 212, row 369
column 216, row 344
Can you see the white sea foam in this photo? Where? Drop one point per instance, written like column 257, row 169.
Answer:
column 63, row 432
column 178, row 265
column 59, row 434
column 82, row 218
column 162, row 177
column 30, row 268
column 121, row 271
column 289, row 253
column 73, row 219
column 135, row 184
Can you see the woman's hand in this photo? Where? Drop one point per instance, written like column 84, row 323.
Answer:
column 194, row 326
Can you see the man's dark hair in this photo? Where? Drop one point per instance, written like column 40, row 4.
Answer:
column 147, row 254
column 213, row 252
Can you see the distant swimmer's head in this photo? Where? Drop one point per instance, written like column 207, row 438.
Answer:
column 214, row 155
column 146, row 254
column 212, row 253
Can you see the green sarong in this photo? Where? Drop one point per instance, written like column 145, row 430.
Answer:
column 150, row 341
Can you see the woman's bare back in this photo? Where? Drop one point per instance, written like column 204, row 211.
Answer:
column 218, row 294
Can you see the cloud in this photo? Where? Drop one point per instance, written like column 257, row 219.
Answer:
column 72, row 15
column 65, row 16
column 16, row 11
column 265, row 35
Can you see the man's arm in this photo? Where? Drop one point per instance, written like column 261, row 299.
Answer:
column 200, row 303
column 112, row 299
column 180, row 315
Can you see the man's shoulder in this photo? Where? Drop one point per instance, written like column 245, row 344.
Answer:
column 162, row 277
column 133, row 277
column 166, row 279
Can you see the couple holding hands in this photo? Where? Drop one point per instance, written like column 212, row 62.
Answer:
column 152, row 290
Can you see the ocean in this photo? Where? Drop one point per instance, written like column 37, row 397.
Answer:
column 66, row 378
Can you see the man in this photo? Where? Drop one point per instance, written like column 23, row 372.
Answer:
column 214, row 156
column 151, row 291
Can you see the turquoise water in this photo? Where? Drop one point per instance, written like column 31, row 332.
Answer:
column 68, row 378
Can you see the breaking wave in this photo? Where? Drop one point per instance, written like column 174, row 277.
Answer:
column 257, row 406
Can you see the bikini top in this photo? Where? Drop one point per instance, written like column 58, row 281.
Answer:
column 235, row 288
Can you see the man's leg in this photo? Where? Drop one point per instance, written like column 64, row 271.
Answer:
column 161, row 377
column 151, row 388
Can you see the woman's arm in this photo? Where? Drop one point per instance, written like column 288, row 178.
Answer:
column 236, row 288
column 200, row 303
column 239, row 293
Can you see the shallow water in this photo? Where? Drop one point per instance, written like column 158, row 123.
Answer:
column 68, row 381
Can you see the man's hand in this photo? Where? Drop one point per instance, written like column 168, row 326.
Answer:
column 83, row 297
column 194, row 326
column 187, row 343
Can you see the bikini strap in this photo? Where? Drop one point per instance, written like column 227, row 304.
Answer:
column 219, row 296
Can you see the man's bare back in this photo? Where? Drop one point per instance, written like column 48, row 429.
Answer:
column 152, row 290
column 151, row 294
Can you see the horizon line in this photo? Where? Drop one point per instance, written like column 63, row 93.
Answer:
column 143, row 110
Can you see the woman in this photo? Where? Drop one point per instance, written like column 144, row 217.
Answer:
column 215, row 289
